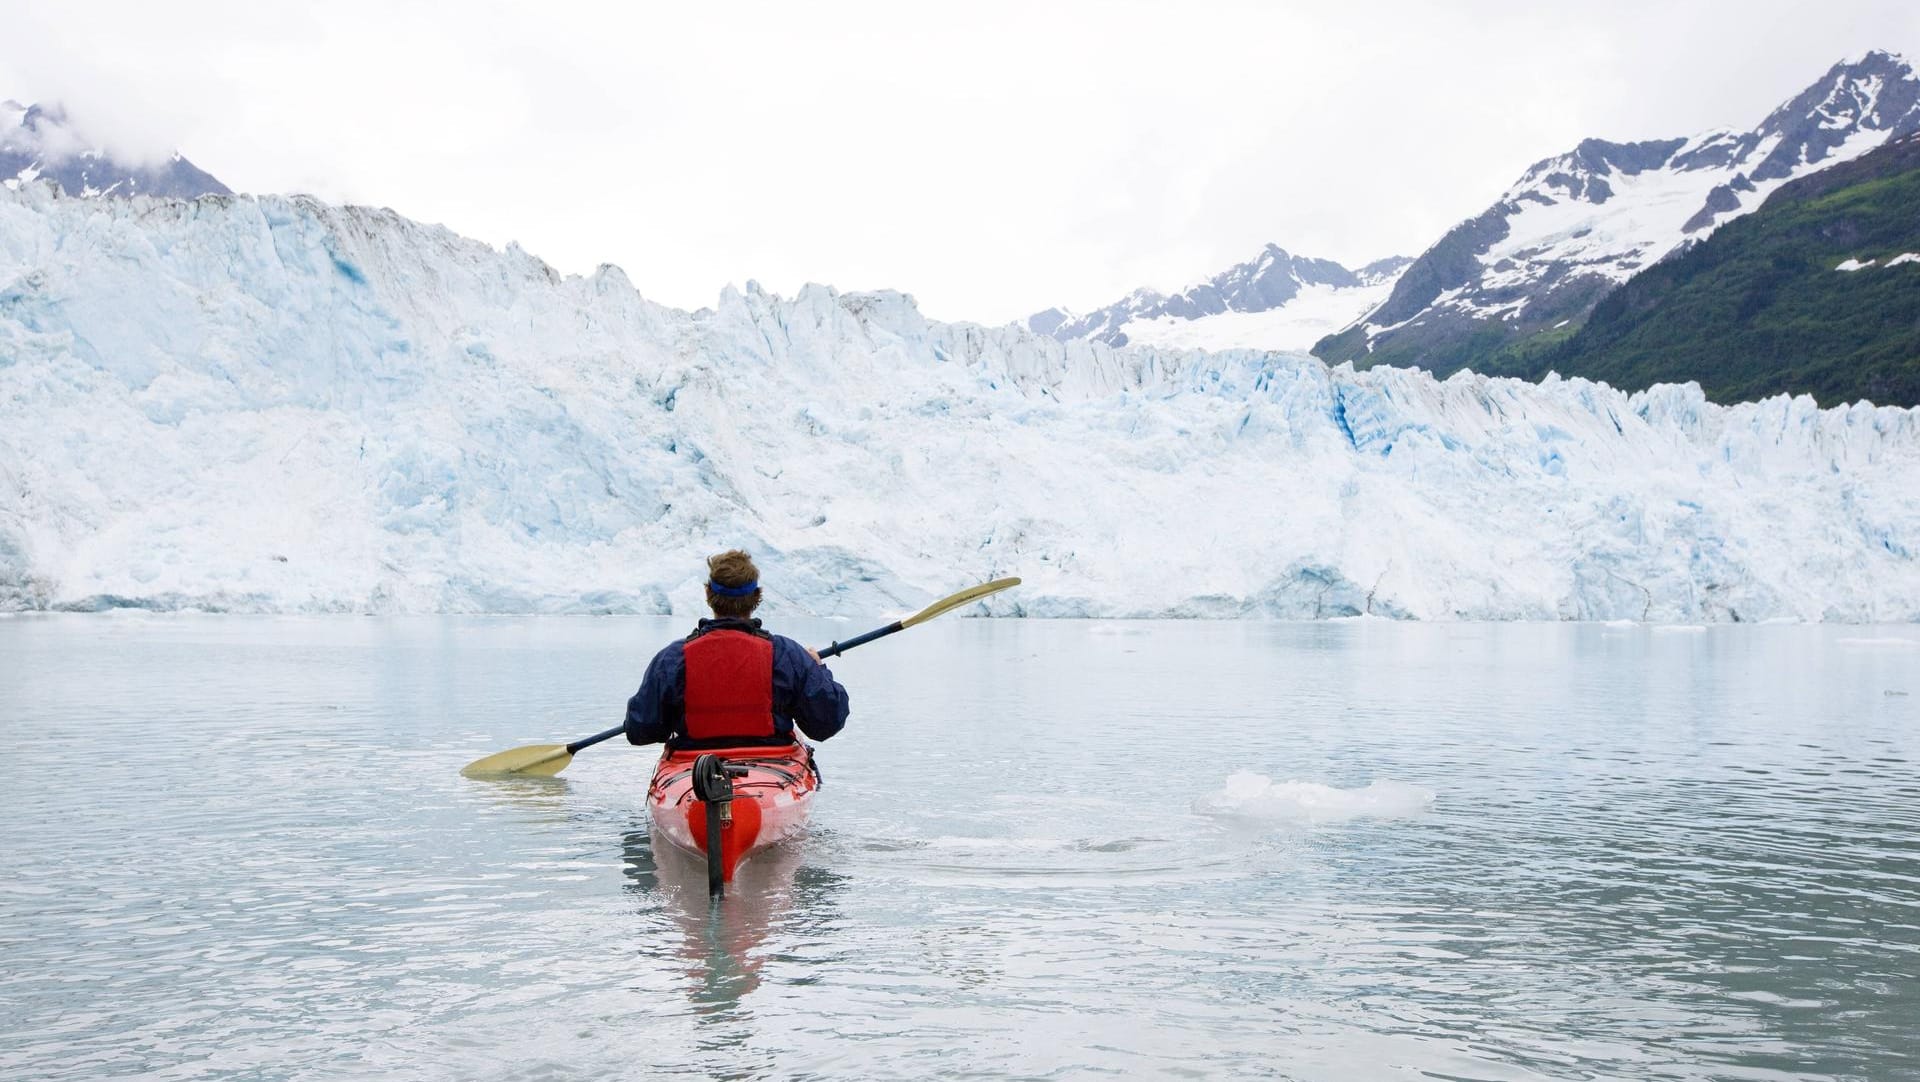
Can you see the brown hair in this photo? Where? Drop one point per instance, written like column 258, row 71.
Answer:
column 732, row 568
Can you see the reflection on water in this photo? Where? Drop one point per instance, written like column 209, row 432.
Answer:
column 236, row 848
column 723, row 942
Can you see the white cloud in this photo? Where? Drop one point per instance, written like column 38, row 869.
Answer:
column 992, row 158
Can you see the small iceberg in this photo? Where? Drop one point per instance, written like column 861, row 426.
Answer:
column 1257, row 797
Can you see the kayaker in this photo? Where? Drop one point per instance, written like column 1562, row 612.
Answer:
column 730, row 683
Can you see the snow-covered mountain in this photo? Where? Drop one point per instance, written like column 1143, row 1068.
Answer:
column 275, row 404
column 1275, row 300
column 1575, row 226
column 38, row 141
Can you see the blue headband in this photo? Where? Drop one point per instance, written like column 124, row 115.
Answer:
column 733, row 591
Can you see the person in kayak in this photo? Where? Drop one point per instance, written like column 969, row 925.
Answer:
column 731, row 684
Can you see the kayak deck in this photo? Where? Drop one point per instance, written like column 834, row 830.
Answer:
column 770, row 801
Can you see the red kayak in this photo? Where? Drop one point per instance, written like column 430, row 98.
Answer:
column 772, row 789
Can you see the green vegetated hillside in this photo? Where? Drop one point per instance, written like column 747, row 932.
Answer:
column 1758, row 308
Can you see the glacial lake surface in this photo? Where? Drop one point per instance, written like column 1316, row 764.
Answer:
column 241, row 848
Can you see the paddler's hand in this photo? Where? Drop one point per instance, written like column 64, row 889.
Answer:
column 812, row 653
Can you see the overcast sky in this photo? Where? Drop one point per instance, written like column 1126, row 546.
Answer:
column 990, row 158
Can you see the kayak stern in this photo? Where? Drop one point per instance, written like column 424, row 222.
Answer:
column 771, row 800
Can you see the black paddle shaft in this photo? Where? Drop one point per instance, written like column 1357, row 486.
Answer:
column 830, row 651
column 574, row 748
column 861, row 640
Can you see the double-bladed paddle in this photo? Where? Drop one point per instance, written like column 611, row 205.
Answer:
column 546, row 760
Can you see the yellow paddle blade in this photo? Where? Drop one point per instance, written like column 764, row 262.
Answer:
column 545, row 760
column 972, row 593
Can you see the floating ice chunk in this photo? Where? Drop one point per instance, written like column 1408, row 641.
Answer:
column 1256, row 796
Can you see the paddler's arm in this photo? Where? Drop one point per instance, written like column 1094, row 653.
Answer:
column 657, row 709
column 812, row 697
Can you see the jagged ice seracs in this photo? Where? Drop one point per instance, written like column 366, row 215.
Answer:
column 273, row 404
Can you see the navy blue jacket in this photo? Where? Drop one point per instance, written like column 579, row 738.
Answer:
column 804, row 694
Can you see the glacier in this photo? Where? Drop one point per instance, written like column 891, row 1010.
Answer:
column 272, row 404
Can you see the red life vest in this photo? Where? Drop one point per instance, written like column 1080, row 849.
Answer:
column 729, row 686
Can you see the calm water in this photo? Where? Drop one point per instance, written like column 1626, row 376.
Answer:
column 241, row 848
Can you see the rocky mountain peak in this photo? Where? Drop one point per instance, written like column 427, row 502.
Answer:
column 40, row 141
column 1876, row 93
column 1576, row 225
column 1267, row 282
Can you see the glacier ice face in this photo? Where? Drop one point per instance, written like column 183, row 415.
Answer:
column 274, row 404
